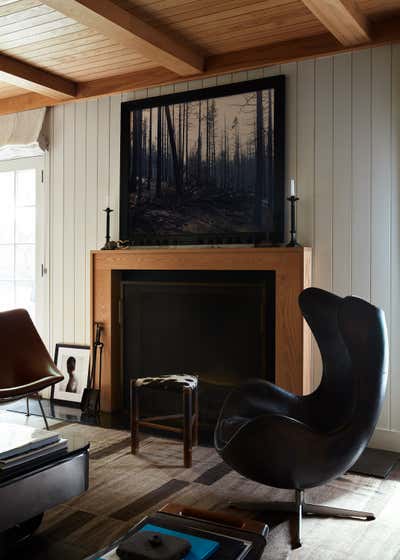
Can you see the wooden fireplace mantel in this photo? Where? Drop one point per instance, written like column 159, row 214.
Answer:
column 292, row 267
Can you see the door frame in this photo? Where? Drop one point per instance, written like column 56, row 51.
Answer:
column 40, row 164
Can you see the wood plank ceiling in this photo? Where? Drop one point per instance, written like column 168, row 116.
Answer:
column 54, row 51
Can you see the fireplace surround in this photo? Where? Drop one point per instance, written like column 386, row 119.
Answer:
column 292, row 271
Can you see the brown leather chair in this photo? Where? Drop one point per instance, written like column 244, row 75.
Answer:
column 25, row 365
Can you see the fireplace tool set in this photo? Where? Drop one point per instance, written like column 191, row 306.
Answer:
column 90, row 404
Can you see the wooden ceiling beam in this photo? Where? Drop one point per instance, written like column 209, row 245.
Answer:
column 26, row 76
column 343, row 19
column 267, row 55
column 124, row 28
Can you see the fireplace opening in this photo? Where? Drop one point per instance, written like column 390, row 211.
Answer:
column 218, row 325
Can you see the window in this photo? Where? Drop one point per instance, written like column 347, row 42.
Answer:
column 22, row 247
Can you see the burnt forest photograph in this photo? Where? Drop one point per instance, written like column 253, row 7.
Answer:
column 205, row 166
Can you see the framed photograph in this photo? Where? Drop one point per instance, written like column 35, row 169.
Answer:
column 204, row 166
column 73, row 361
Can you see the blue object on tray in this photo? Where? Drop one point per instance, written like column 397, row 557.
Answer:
column 201, row 548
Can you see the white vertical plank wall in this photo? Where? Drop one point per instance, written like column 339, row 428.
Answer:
column 395, row 244
column 342, row 148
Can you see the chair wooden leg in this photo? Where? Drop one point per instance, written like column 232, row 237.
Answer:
column 42, row 411
column 196, row 417
column 187, row 427
column 27, row 407
column 134, row 418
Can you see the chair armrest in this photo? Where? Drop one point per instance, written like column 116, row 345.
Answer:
column 251, row 400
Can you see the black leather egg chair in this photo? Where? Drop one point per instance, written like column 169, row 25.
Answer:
column 287, row 441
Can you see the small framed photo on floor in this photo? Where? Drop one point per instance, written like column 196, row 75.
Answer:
column 73, row 361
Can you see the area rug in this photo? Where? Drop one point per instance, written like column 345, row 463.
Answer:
column 123, row 488
column 373, row 462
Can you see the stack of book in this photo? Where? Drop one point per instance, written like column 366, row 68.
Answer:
column 21, row 445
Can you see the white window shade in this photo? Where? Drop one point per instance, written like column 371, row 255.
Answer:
column 23, row 134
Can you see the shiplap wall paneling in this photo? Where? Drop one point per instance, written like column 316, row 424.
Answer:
column 323, row 173
column 395, row 244
column 56, row 263
column 323, row 193
column 361, row 167
column 103, row 162
column 91, row 210
column 341, row 175
column 290, row 72
column 305, row 150
column 80, row 216
column 114, row 139
column 381, row 192
column 305, row 169
column 69, row 206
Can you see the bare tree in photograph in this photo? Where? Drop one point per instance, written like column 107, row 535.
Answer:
column 150, row 151
column 159, row 153
column 199, row 147
column 260, row 159
column 175, row 161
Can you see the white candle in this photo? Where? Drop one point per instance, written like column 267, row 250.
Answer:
column 292, row 191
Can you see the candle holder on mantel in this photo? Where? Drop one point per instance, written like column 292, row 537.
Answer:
column 109, row 245
column 293, row 241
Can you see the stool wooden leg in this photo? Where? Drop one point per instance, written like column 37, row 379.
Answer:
column 187, row 427
column 134, row 418
column 196, row 417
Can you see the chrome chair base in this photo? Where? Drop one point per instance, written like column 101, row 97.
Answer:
column 300, row 508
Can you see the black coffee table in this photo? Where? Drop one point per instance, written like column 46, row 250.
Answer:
column 28, row 491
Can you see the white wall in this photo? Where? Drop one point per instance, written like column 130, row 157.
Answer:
column 343, row 149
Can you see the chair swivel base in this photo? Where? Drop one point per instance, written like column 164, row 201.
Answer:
column 301, row 509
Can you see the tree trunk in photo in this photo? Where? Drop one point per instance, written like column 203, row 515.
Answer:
column 213, row 148
column 260, row 159
column 236, row 156
column 139, row 147
column 187, row 144
column 175, row 161
column 207, row 177
column 163, row 152
column 224, row 159
column 132, row 163
column 159, row 153
column 199, row 148
column 143, row 158
column 180, row 134
column 182, row 142
column 228, row 163
column 269, row 153
column 150, row 150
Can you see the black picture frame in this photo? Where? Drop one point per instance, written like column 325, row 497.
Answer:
column 276, row 236
column 58, row 346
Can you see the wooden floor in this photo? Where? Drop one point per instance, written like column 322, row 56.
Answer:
column 123, row 488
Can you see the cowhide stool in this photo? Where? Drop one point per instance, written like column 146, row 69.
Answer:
column 188, row 385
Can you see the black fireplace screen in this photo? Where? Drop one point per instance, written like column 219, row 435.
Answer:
column 216, row 325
